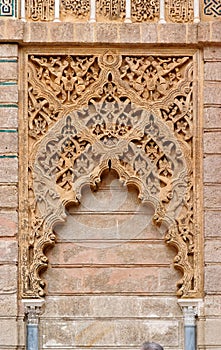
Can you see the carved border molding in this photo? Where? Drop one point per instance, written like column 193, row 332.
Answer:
column 133, row 111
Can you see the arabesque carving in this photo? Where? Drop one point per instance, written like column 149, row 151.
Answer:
column 79, row 9
column 145, row 11
column 179, row 11
column 90, row 113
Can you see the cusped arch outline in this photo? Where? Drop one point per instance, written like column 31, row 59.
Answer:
column 82, row 145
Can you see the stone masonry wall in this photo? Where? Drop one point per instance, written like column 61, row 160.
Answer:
column 147, row 314
column 8, row 195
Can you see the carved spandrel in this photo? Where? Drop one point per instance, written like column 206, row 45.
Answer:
column 131, row 113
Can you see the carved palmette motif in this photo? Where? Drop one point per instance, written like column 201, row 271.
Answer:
column 179, row 11
column 146, row 10
column 90, row 113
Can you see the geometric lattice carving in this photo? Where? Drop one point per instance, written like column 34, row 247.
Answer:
column 146, row 10
column 179, row 11
column 212, row 8
column 7, row 8
column 90, row 113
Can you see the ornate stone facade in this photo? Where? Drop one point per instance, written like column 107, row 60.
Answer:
column 130, row 113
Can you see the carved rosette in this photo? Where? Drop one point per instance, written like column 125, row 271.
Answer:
column 89, row 113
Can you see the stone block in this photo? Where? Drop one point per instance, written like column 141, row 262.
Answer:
column 106, row 33
column 36, row 32
column 215, row 31
column 8, row 197
column 129, row 33
column 8, row 71
column 212, row 117
column 212, row 223
column 9, row 170
column 8, row 117
column 110, row 253
column 204, row 32
column 148, row 33
column 13, row 30
column 212, row 164
column 173, row 33
column 212, row 336
column 8, row 279
column 84, row 32
column 212, row 280
column 8, row 251
column 212, row 93
column 213, row 251
column 8, row 305
column 212, row 53
column 111, row 280
column 212, row 305
column 212, row 196
column 61, row 32
column 191, row 33
column 8, row 93
column 212, row 142
column 8, row 142
column 8, row 50
column 9, row 333
column 212, row 71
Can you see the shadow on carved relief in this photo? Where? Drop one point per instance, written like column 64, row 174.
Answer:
column 89, row 114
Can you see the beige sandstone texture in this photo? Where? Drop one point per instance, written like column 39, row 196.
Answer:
column 106, row 287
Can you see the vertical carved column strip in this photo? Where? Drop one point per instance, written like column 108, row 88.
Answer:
column 57, row 11
column 128, row 11
column 162, row 12
column 92, row 11
column 22, row 10
column 191, row 309
column 196, row 9
column 33, row 309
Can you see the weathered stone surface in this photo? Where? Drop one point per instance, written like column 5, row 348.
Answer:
column 8, row 305
column 111, row 306
column 212, row 168
column 173, row 33
column 212, row 117
column 84, row 32
column 8, row 117
column 204, row 32
column 212, row 71
column 9, row 93
column 212, row 142
column 106, row 32
column 114, row 253
column 9, row 332
column 8, row 279
column 212, row 196
column 148, row 33
column 215, row 31
column 36, row 32
column 8, row 142
column 213, row 53
column 212, row 333
column 8, row 71
column 8, row 251
column 8, row 50
column 213, row 251
column 129, row 33
column 61, row 32
column 212, row 93
column 212, row 223
column 9, row 170
column 111, row 280
column 212, row 283
column 8, row 196
column 213, row 305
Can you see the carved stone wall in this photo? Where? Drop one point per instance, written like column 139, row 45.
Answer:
column 132, row 113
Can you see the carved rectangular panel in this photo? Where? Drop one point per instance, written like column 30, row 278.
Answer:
column 211, row 9
column 179, row 11
column 88, row 113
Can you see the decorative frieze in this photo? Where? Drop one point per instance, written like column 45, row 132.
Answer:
column 90, row 113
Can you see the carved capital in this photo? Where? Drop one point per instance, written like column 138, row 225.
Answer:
column 32, row 310
column 191, row 309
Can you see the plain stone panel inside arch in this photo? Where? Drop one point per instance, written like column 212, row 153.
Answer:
column 109, row 245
